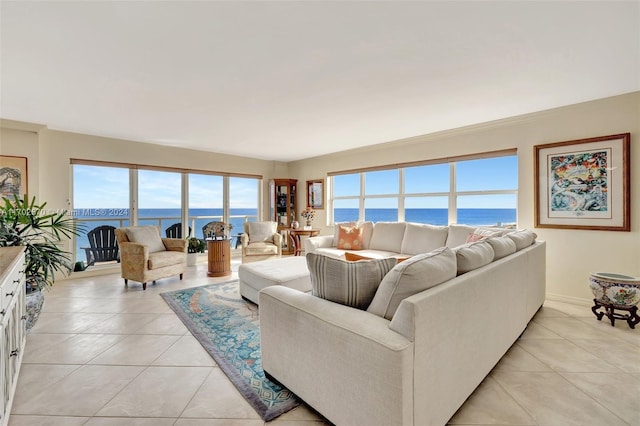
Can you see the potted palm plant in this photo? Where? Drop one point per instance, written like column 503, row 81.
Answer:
column 24, row 222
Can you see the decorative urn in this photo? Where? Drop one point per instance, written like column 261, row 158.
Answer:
column 615, row 292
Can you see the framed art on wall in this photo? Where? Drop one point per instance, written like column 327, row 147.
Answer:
column 583, row 184
column 315, row 194
column 13, row 176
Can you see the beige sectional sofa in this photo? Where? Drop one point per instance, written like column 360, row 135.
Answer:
column 417, row 368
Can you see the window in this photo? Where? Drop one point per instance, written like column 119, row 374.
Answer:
column 244, row 196
column 101, row 196
column 206, row 200
column 159, row 198
column 476, row 191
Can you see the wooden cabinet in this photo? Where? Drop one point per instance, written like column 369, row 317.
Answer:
column 283, row 209
column 219, row 256
column 12, row 326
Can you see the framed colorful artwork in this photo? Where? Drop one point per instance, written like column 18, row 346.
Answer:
column 584, row 184
column 13, row 176
column 315, row 194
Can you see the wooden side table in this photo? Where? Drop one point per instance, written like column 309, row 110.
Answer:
column 219, row 256
column 295, row 238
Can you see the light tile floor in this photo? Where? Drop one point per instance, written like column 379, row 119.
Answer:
column 103, row 354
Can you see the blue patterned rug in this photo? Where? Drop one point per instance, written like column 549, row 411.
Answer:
column 228, row 327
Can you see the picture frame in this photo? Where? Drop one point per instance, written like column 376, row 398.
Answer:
column 315, row 194
column 13, row 176
column 584, row 184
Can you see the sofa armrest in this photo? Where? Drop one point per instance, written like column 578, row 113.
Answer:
column 277, row 240
column 133, row 251
column 175, row 244
column 313, row 243
column 345, row 347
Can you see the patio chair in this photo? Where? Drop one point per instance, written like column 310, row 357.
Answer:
column 175, row 230
column 103, row 245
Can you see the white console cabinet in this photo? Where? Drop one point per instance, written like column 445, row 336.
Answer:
column 13, row 325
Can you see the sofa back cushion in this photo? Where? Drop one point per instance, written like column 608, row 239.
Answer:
column 421, row 238
column 473, row 256
column 523, row 238
column 387, row 236
column 366, row 227
column 146, row 235
column 260, row 231
column 349, row 283
column 410, row 277
column 502, row 247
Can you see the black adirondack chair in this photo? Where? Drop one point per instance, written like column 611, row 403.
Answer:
column 175, row 231
column 104, row 247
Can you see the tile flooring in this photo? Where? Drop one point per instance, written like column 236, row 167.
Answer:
column 106, row 355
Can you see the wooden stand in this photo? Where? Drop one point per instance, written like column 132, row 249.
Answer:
column 219, row 256
column 295, row 238
column 632, row 318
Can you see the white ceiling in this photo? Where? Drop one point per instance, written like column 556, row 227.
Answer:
column 292, row 80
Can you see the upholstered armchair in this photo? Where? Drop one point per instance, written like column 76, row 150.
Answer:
column 145, row 256
column 260, row 241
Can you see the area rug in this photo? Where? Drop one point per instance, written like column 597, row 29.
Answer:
column 228, row 327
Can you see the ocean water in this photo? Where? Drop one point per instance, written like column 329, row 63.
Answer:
column 93, row 218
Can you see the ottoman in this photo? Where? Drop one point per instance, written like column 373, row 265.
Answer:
column 290, row 272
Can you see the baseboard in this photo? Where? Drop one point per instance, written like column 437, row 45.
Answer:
column 568, row 299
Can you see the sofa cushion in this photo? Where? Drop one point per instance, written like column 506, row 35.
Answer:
column 146, row 235
column 260, row 231
column 259, row 248
column 458, row 234
column 349, row 283
column 349, row 237
column 388, row 236
column 473, row 256
column 161, row 259
column 423, row 238
column 523, row 238
column 502, row 247
column 412, row 276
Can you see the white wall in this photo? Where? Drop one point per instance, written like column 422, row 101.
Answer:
column 571, row 254
column 49, row 153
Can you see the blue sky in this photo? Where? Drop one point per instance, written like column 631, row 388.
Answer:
column 108, row 187
column 500, row 173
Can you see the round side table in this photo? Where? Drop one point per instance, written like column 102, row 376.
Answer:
column 295, row 238
column 219, row 257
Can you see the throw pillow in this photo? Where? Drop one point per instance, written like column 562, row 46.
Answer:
column 349, row 283
column 502, row 247
column 349, row 238
column 146, row 235
column 260, row 231
column 366, row 227
column 410, row 277
column 473, row 256
column 523, row 238
column 352, row 257
column 481, row 234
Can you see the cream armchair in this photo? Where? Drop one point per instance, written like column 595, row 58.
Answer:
column 145, row 256
column 260, row 241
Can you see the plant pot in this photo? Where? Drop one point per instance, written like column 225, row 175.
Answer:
column 34, row 303
column 192, row 259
